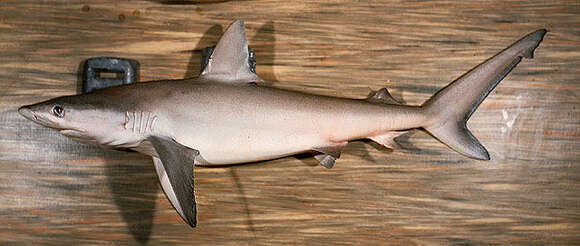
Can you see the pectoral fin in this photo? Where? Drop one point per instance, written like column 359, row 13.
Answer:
column 175, row 169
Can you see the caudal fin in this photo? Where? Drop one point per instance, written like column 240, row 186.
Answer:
column 451, row 107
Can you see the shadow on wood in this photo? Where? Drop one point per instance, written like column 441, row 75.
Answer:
column 264, row 43
column 209, row 38
column 134, row 193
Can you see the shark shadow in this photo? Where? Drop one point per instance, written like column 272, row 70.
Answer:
column 134, row 185
column 263, row 44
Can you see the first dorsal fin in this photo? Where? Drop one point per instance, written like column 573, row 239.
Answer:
column 230, row 60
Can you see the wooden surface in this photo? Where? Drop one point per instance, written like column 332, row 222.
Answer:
column 54, row 191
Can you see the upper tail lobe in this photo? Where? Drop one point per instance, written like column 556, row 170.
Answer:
column 450, row 108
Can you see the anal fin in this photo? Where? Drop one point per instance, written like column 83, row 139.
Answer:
column 327, row 155
column 325, row 160
column 388, row 139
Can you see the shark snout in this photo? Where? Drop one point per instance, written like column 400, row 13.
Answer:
column 27, row 113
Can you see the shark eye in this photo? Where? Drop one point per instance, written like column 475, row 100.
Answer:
column 58, row 111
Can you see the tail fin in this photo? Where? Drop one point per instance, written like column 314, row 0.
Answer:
column 451, row 107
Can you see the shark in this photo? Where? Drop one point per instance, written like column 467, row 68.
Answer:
column 227, row 116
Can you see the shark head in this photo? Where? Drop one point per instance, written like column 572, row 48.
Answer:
column 78, row 117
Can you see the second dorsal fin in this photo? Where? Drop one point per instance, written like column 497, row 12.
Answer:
column 382, row 96
column 230, row 60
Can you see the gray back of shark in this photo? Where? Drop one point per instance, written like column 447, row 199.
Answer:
column 223, row 117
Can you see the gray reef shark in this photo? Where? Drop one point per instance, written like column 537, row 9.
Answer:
column 225, row 117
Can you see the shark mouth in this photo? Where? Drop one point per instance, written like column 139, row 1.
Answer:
column 75, row 134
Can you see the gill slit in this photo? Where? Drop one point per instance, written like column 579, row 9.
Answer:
column 134, row 120
column 139, row 122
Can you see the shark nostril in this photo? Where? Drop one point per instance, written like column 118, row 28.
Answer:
column 27, row 113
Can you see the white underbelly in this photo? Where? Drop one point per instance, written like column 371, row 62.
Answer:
column 234, row 146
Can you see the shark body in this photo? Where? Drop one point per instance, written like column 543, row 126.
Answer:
column 224, row 117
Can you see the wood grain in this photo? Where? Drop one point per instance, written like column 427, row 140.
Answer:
column 54, row 191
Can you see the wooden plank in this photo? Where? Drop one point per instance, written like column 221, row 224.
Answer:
column 54, row 191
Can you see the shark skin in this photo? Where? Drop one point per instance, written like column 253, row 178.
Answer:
column 224, row 117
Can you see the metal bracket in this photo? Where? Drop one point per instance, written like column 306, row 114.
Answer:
column 103, row 72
